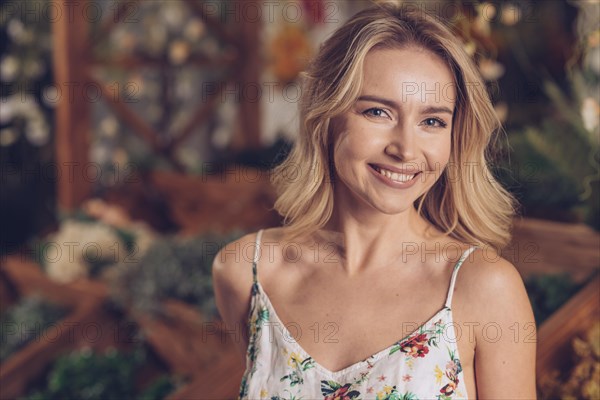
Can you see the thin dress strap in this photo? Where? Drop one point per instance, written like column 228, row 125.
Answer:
column 256, row 255
column 455, row 273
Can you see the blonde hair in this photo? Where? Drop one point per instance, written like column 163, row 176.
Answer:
column 470, row 205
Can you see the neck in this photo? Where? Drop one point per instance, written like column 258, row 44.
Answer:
column 375, row 241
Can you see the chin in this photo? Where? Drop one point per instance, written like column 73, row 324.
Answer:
column 394, row 209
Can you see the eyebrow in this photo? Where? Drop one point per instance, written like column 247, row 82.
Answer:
column 393, row 104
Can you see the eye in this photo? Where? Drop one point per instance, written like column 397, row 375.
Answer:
column 435, row 123
column 376, row 112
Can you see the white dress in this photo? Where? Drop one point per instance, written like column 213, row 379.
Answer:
column 422, row 365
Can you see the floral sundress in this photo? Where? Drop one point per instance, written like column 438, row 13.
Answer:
column 423, row 365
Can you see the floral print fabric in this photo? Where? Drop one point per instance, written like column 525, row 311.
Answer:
column 423, row 365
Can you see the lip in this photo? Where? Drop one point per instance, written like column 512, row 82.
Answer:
column 394, row 184
column 404, row 171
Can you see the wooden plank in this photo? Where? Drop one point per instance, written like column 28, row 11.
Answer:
column 221, row 381
column 555, row 335
column 548, row 247
column 72, row 126
column 248, row 136
column 244, row 198
column 28, row 278
column 198, row 60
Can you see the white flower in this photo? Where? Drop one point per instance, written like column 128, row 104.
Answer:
column 592, row 59
column 8, row 136
column 194, row 29
column 490, row 69
column 37, row 132
column 590, row 112
column 100, row 154
column 157, row 38
column 179, row 51
column 120, row 157
column 109, row 126
column 144, row 237
column 172, row 14
column 78, row 244
column 66, row 271
column 51, row 96
column 15, row 29
column 501, row 111
column 9, row 67
column 8, row 109
column 33, row 69
column 511, row 14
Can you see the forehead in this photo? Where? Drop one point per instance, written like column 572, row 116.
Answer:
column 410, row 74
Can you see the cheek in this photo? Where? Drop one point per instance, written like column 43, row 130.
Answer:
column 350, row 146
column 439, row 152
column 437, row 156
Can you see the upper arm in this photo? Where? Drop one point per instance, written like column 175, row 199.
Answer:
column 505, row 335
column 232, row 285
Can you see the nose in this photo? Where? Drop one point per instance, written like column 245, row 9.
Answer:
column 402, row 144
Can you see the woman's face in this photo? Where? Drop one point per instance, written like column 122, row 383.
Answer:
column 394, row 142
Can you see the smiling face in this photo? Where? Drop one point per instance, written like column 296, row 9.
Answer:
column 392, row 145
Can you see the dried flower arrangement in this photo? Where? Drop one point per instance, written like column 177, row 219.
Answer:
column 583, row 381
column 100, row 235
column 173, row 267
column 84, row 374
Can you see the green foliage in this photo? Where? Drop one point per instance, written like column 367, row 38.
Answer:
column 547, row 293
column 26, row 321
column 158, row 390
column 553, row 168
column 85, row 375
column 171, row 268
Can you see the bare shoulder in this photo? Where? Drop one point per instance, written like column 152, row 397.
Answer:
column 504, row 326
column 495, row 293
column 232, row 282
column 232, row 277
column 491, row 277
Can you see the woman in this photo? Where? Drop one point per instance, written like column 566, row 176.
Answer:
column 386, row 197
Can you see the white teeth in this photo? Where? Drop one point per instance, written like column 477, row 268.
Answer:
column 395, row 176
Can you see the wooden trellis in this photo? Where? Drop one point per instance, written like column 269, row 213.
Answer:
column 74, row 63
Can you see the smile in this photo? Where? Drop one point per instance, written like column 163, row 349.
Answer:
column 394, row 179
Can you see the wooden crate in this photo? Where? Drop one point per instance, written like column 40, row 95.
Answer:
column 31, row 361
column 219, row 381
column 546, row 247
column 554, row 351
column 239, row 199
column 27, row 277
column 184, row 339
column 89, row 323
column 85, row 311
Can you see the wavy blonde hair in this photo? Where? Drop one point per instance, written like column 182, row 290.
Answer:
column 470, row 205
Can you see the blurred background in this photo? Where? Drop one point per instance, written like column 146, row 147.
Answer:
column 136, row 139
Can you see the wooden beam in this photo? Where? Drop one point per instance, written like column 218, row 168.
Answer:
column 249, row 77
column 139, row 126
column 201, row 114
column 126, row 12
column 216, row 26
column 225, row 59
column 72, row 126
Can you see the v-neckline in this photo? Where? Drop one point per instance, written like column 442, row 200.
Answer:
column 370, row 359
